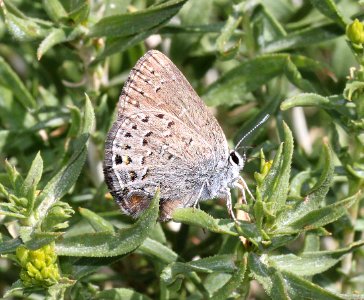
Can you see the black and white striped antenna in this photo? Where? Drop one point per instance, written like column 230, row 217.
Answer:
column 265, row 118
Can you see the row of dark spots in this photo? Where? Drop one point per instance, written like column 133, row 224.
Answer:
column 169, row 124
column 119, row 160
column 145, row 141
column 145, row 174
column 145, row 119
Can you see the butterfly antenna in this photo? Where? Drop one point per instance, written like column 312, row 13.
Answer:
column 265, row 118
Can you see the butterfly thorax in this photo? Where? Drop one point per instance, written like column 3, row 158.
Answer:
column 223, row 178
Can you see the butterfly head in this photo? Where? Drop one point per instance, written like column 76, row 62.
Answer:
column 236, row 160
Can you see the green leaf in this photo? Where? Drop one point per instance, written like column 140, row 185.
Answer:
column 311, row 263
column 76, row 121
column 80, row 11
column 232, row 87
column 302, row 38
column 23, row 28
column 4, row 134
column 30, row 183
column 198, row 217
column 305, row 99
column 320, row 217
column 225, row 48
column 274, row 188
column 298, row 181
column 133, row 23
column 217, row 263
column 294, row 76
column 313, row 198
column 55, row 36
column 234, row 282
column 54, row 9
column 11, row 80
column 9, row 246
column 15, row 288
column 65, row 178
column 275, row 25
column 88, row 120
column 299, row 288
column 101, row 244
column 80, row 267
column 267, row 276
column 329, row 9
column 120, row 44
column 308, row 211
column 33, row 177
column 98, row 223
column 40, row 239
column 120, row 293
column 14, row 177
column 157, row 250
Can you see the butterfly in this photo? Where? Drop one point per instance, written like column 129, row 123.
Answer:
column 165, row 137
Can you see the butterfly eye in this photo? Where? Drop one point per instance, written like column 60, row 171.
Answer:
column 234, row 158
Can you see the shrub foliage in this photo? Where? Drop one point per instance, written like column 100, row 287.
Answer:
column 62, row 66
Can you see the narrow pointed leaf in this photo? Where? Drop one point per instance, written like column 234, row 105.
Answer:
column 12, row 81
column 54, row 9
column 59, row 185
column 299, row 288
column 157, row 250
column 314, row 197
column 320, row 217
column 55, row 36
column 236, row 280
column 80, row 12
column 330, row 10
column 311, row 263
column 305, row 99
column 133, row 23
column 232, row 87
column 23, row 28
column 270, row 278
column 34, row 175
column 198, row 217
column 98, row 223
column 274, row 188
column 120, row 44
column 9, row 246
column 41, row 239
column 218, row 263
column 302, row 38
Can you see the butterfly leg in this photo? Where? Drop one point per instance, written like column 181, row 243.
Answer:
column 242, row 186
column 229, row 205
column 197, row 201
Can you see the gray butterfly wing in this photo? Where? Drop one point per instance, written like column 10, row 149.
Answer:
column 164, row 137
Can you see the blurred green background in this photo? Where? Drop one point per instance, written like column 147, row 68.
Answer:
column 62, row 68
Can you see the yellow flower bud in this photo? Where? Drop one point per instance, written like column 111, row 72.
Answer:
column 39, row 267
column 355, row 32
